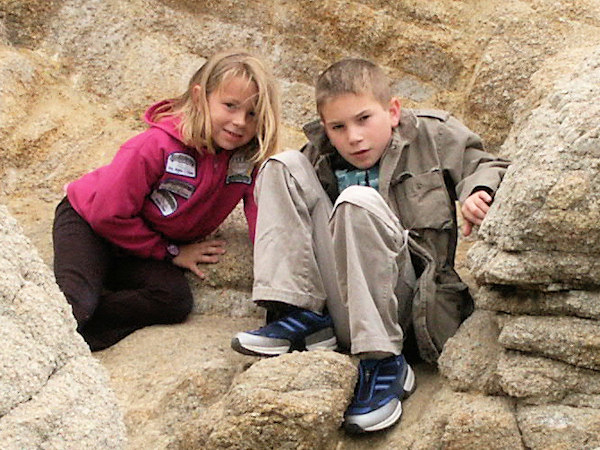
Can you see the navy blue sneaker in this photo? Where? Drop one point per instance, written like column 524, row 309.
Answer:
column 382, row 385
column 300, row 330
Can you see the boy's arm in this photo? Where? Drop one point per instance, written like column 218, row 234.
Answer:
column 480, row 171
column 476, row 175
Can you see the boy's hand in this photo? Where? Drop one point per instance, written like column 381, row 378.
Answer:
column 191, row 255
column 474, row 210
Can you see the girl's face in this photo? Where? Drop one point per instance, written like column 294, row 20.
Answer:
column 232, row 113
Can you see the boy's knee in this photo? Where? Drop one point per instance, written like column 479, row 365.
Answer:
column 361, row 196
column 353, row 194
column 365, row 201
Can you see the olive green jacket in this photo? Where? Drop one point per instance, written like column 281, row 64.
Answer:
column 431, row 161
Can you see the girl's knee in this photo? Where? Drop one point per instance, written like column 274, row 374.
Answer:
column 177, row 305
column 183, row 308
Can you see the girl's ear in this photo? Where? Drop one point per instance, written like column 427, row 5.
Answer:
column 395, row 108
column 196, row 94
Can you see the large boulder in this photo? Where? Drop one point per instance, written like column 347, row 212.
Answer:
column 544, row 227
column 53, row 393
column 293, row 401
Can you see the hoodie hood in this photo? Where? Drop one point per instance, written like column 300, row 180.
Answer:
column 168, row 124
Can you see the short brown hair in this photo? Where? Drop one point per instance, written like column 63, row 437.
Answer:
column 353, row 76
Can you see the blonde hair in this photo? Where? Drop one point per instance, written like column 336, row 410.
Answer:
column 353, row 76
column 194, row 113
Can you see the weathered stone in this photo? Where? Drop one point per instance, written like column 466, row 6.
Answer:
column 460, row 421
column 165, row 377
column 481, row 422
column 500, row 62
column 469, row 358
column 584, row 304
column 572, row 340
column 75, row 409
column 449, row 420
column 545, row 220
column 559, row 427
column 53, row 394
column 25, row 21
column 542, row 380
column 543, row 227
column 533, row 269
column 293, row 401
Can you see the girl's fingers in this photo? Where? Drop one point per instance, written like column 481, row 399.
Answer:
column 196, row 271
column 213, row 243
column 209, row 259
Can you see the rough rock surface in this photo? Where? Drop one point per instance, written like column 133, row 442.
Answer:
column 294, row 401
column 470, row 357
column 538, row 262
column 569, row 339
column 53, row 393
column 75, row 76
column 559, row 427
column 546, row 224
column 541, row 380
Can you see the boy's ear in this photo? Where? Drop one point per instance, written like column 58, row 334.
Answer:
column 395, row 108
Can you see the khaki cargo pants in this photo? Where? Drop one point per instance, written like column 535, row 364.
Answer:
column 350, row 257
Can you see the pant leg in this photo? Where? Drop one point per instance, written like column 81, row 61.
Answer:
column 81, row 261
column 375, row 273
column 293, row 253
column 140, row 292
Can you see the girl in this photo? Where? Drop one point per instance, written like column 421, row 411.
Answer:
column 125, row 232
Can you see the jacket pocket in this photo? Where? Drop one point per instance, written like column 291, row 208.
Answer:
column 423, row 201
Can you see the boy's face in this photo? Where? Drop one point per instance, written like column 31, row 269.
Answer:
column 360, row 127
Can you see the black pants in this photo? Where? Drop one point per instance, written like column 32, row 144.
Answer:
column 113, row 294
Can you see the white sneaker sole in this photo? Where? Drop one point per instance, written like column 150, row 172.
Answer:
column 328, row 344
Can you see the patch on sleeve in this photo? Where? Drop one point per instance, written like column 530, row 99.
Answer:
column 164, row 201
column 181, row 164
column 240, row 169
column 178, row 187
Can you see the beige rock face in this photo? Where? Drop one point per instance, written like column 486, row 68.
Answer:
column 53, row 393
column 569, row 339
column 539, row 260
column 294, row 401
column 75, row 75
column 559, row 427
column 470, row 357
column 542, row 380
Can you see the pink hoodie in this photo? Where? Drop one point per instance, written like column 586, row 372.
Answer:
column 158, row 191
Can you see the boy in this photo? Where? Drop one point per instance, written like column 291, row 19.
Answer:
column 357, row 233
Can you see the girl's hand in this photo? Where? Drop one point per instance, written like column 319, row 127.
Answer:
column 474, row 210
column 191, row 255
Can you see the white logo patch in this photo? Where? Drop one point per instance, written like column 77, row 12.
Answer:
column 181, row 164
column 165, row 201
column 239, row 169
column 178, row 187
